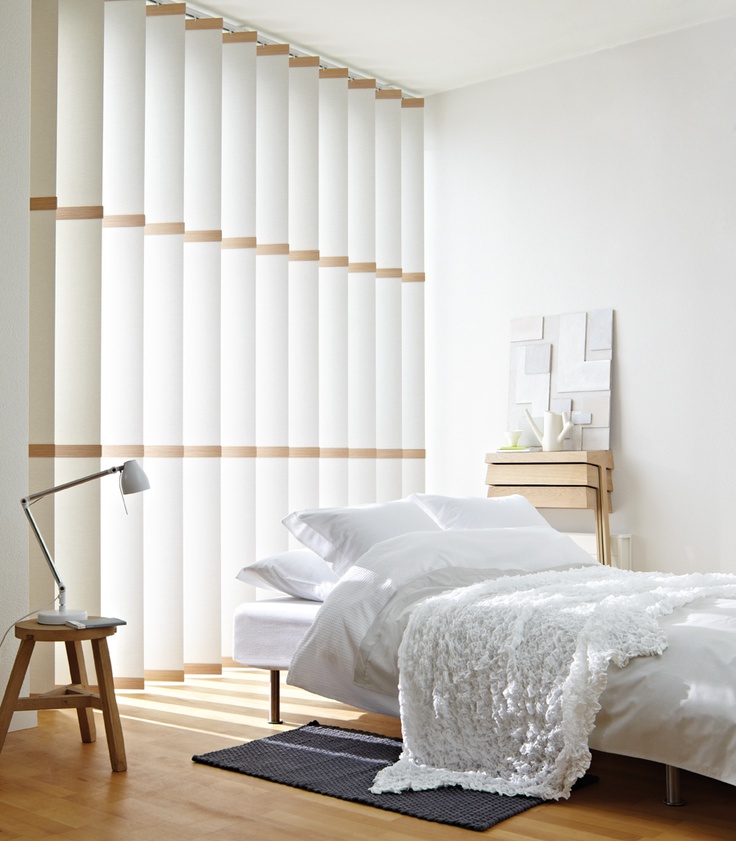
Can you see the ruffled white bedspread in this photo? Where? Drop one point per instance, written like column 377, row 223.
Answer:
column 499, row 681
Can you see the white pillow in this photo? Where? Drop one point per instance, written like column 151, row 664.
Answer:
column 298, row 573
column 342, row 535
column 454, row 513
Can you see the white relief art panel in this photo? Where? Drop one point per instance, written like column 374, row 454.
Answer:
column 562, row 363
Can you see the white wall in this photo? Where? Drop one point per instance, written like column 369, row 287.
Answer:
column 603, row 181
column 14, row 237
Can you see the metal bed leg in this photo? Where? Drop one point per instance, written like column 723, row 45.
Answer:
column 672, row 782
column 275, row 717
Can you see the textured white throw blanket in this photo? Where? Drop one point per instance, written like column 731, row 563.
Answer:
column 500, row 681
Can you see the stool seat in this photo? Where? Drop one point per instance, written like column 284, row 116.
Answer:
column 78, row 694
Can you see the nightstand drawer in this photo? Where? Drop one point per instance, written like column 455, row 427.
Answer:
column 551, row 497
column 542, row 474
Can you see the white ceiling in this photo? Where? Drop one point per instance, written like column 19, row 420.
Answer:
column 429, row 46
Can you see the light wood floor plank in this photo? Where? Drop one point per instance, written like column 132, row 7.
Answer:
column 52, row 786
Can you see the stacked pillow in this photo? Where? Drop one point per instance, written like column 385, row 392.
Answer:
column 342, row 535
column 455, row 513
column 335, row 538
column 299, row 573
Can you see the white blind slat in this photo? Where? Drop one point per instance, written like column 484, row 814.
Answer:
column 238, row 320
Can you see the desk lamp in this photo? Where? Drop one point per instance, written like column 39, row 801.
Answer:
column 132, row 480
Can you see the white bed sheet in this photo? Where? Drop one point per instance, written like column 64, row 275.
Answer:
column 678, row 708
column 266, row 633
column 351, row 654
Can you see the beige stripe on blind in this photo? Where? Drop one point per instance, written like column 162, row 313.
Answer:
column 304, row 61
column 163, row 451
column 388, row 273
column 334, row 262
column 167, row 675
column 99, row 451
column 122, row 450
column 43, row 203
column 212, row 451
column 304, row 255
column 240, row 37
column 238, row 452
column 388, row 93
column 333, row 452
column 202, row 236
column 303, row 452
column 333, row 73
column 362, row 267
column 163, row 228
column 168, row 9
column 202, row 451
column 362, row 452
column 413, row 277
column 238, row 242
column 41, row 451
column 272, row 49
column 272, row 249
column 204, row 23
column 356, row 84
column 413, row 102
column 88, row 212
column 129, row 221
column 86, row 451
column 129, row 683
column 77, row 450
column 203, row 668
column 272, row 452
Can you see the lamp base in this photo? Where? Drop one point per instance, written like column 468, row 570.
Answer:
column 61, row 617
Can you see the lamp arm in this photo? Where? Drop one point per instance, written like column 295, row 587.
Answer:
column 47, row 555
column 41, row 494
column 27, row 501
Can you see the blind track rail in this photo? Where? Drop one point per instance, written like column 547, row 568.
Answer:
column 295, row 51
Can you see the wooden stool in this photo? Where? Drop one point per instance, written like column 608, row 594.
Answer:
column 75, row 696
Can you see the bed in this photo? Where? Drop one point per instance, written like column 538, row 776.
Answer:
column 351, row 591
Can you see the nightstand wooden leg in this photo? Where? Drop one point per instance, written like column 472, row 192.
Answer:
column 110, row 714
column 78, row 673
column 15, row 684
column 601, row 515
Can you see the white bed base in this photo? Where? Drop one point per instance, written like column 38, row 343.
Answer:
column 266, row 634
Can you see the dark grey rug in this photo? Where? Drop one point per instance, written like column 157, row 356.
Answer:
column 342, row 763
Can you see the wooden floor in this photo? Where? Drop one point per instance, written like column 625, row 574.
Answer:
column 54, row 786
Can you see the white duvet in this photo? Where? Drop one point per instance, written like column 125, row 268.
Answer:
column 678, row 708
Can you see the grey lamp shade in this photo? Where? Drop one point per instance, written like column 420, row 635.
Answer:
column 133, row 479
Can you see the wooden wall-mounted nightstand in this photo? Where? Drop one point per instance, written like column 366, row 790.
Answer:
column 563, row 479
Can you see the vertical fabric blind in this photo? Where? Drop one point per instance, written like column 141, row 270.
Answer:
column 230, row 289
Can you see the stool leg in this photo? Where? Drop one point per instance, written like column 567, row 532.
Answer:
column 15, row 684
column 113, row 727
column 78, row 672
